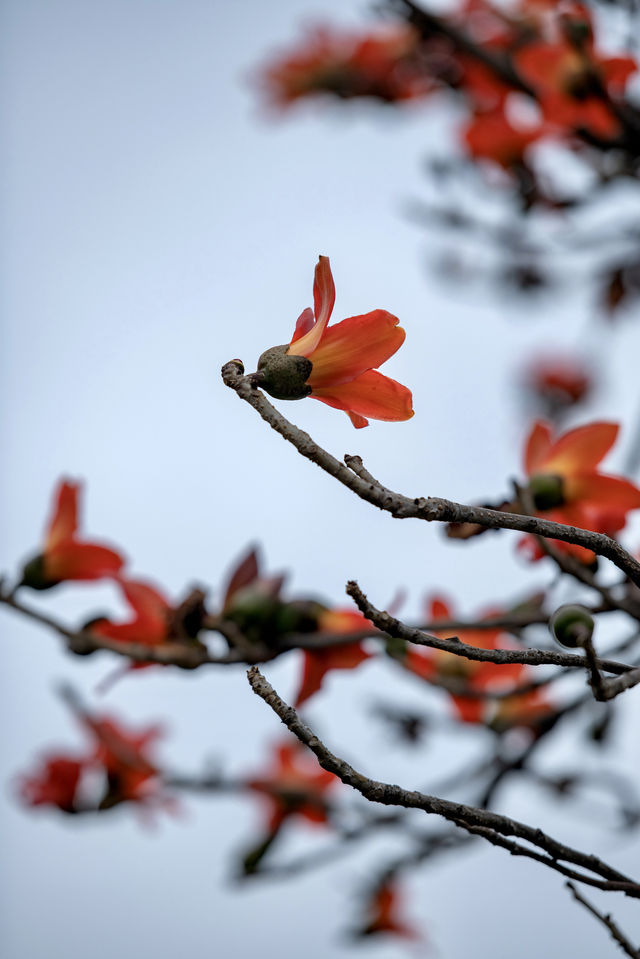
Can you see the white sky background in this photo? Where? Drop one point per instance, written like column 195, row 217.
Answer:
column 156, row 224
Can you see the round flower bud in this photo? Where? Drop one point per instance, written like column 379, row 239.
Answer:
column 572, row 625
column 284, row 375
column 547, row 491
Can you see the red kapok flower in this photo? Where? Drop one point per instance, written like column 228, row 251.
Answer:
column 318, row 662
column 64, row 556
column 383, row 914
column 572, row 84
column 295, row 785
column 124, row 755
column 337, row 364
column 387, row 65
column 566, row 485
column 434, row 664
column 558, row 383
column 55, row 784
column 490, row 136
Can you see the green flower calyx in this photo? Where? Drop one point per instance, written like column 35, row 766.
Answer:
column 283, row 375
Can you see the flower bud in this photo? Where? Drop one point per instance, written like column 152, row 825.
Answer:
column 284, row 375
column 33, row 574
column 572, row 625
column 547, row 491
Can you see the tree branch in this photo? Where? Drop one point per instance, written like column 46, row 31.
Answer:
column 431, row 508
column 491, row 826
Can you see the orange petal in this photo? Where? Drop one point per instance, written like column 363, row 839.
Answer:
column 353, row 346
column 369, row 395
column 581, row 449
column 81, row 561
column 149, row 605
column 469, row 710
column 537, row 448
column 303, row 324
column 439, row 609
column 595, row 490
column 64, row 521
column 319, row 662
column 324, row 295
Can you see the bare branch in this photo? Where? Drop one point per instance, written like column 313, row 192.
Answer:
column 491, row 826
column 431, row 508
column 527, row 657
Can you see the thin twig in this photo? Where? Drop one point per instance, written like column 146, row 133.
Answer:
column 607, row 921
column 527, row 657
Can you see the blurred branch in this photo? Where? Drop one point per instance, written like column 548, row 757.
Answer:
column 491, row 826
column 431, row 509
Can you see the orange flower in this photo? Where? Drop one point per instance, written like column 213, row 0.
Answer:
column 56, row 783
column 434, row 664
column 567, row 487
column 558, row 382
column 64, row 557
column 387, row 65
column 131, row 775
column 572, row 82
column 383, row 914
column 337, row 364
column 318, row 662
column 295, row 785
column 490, row 135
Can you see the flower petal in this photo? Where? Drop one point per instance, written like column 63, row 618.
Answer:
column 83, row 561
column 581, row 448
column 64, row 522
column 369, row 395
column 595, row 490
column 353, row 346
column 537, row 448
column 324, row 296
column 303, row 324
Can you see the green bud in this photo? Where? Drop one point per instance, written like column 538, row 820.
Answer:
column 284, row 375
column 33, row 574
column 547, row 490
column 572, row 626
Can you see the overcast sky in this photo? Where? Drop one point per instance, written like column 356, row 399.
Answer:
column 156, row 224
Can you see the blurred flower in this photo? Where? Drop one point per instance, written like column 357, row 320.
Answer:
column 387, row 65
column 336, row 364
column 436, row 665
column 558, row 383
column 567, row 487
column 154, row 621
column 573, row 82
column 294, row 785
column 318, row 662
column 64, row 556
column 383, row 914
column 124, row 756
column 491, row 136
column 55, row 784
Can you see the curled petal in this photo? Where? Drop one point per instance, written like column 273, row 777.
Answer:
column 64, row 521
column 303, row 324
column 83, row 561
column 370, row 395
column 324, row 296
column 353, row 346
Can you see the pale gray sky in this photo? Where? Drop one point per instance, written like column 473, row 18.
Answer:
column 157, row 224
